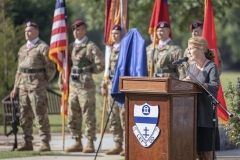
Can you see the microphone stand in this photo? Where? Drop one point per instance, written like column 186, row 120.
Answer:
column 214, row 103
column 105, row 127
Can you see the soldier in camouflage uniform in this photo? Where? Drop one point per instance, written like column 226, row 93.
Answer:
column 34, row 72
column 86, row 59
column 196, row 30
column 165, row 53
column 117, row 115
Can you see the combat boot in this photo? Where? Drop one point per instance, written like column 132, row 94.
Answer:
column 122, row 153
column 28, row 146
column 116, row 150
column 89, row 148
column 45, row 147
column 77, row 147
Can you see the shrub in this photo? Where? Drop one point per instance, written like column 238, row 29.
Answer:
column 232, row 94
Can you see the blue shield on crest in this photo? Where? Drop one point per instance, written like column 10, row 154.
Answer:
column 146, row 118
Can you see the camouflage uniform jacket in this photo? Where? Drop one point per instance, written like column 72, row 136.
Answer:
column 112, row 66
column 36, row 58
column 86, row 57
column 163, row 58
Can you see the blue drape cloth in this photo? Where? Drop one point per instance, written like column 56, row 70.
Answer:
column 132, row 61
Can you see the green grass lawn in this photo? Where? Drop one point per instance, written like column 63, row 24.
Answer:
column 229, row 77
column 56, row 120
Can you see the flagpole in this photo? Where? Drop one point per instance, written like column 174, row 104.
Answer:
column 106, row 74
column 66, row 87
column 63, row 123
column 103, row 110
column 58, row 53
column 103, row 114
column 152, row 55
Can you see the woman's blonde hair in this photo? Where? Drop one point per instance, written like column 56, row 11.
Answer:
column 202, row 43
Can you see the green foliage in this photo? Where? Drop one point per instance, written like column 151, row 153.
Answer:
column 228, row 76
column 232, row 94
column 182, row 13
column 41, row 12
column 227, row 40
column 9, row 45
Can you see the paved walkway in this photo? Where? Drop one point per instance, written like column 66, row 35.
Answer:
column 57, row 146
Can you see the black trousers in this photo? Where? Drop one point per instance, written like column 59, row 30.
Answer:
column 204, row 139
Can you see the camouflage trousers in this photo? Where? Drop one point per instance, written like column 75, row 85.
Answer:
column 82, row 106
column 117, row 121
column 34, row 104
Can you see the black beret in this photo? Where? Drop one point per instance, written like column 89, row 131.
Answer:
column 163, row 24
column 195, row 25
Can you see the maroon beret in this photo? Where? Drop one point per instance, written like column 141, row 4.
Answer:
column 77, row 24
column 31, row 24
column 163, row 24
column 117, row 27
column 195, row 25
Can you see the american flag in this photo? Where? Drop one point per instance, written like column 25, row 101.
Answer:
column 59, row 48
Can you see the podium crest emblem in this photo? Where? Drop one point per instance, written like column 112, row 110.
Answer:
column 146, row 119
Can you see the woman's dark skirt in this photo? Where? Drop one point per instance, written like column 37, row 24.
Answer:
column 204, row 139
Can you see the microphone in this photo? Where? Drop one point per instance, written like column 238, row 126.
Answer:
column 179, row 61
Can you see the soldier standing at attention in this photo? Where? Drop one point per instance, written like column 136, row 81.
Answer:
column 117, row 115
column 165, row 53
column 86, row 59
column 34, row 72
column 196, row 31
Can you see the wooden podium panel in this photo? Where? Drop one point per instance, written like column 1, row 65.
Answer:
column 176, row 121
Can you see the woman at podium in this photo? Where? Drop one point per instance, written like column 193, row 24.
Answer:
column 205, row 71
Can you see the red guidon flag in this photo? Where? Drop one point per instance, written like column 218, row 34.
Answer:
column 160, row 13
column 59, row 48
column 116, row 13
column 209, row 34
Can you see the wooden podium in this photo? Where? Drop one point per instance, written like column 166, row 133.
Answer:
column 176, row 121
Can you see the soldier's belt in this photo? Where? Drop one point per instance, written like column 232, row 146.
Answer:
column 111, row 74
column 26, row 70
column 81, row 70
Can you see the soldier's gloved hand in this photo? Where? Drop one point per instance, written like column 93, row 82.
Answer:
column 13, row 93
column 103, row 91
column 60, row 86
